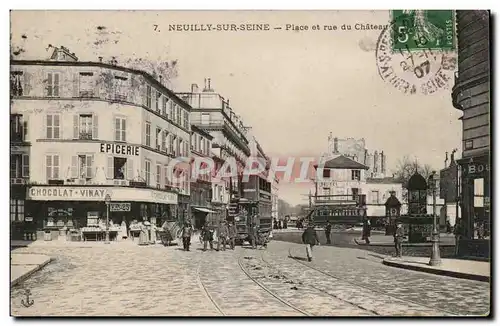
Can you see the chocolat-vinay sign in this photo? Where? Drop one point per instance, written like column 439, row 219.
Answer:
column 99, row 193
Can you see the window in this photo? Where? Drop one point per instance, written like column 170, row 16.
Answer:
column 170, row 110
column 148, row 96
column 16, row 83
column 326, row 191
column 181, row 147
column 356, row 175
column 52, row 167
column 53, row 84
column 375, row 197
column 86, row 84
column 53, row 122
column 148, row 134
column 205, row 118
column 186, row 120
column 85, row 126
column 17, row 210
column 171, row 145
column 326, row 173
column 119, row 164
column 121, row 88
column 355, row 193
column 200, row 144
column 164, row 106
column 164, row 141
column 19, row 166
column 85, row 166
column 120, row 129
column 479, row 192
column 157, row 102
column 178, row 115
column 166, row 175
column 148, row 173
column 192, row 141
column 158, row 138
column 174, row 112
column 469, row 144
column 207, row 149
column 158, row 175
column 18, row 128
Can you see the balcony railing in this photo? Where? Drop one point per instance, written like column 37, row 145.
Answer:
column 87, row 94
column 85, row 135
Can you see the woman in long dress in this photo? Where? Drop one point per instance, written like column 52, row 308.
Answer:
column 123, row 230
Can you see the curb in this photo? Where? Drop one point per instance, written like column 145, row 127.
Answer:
column 467, row 276
column 24, row 277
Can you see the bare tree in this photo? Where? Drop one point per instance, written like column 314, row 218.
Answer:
column 406, row 167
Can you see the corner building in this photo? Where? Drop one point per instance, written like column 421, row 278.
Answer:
column 471, row 95
column 82, row 130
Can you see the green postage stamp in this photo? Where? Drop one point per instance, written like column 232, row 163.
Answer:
column 423, row 29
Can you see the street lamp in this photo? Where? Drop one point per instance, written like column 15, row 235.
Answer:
column 435, row 254
column 107, row 200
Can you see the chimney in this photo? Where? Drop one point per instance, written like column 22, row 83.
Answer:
column 161, row 79
column 446, row 161
column 209, row 88
column 194, row 88
column 335, row 145
column 382, row 162
column 100, row 59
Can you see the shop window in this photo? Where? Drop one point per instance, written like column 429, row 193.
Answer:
column 120, row 129
column 356, row 175
column 479, row 192
column 52, row 84
column 85, row 166
column 52, row 167
column 148, row 134
column 53, row 125
column 17, row 210
column 86, row 84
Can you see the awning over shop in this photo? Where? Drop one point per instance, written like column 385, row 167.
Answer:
column 205, row 210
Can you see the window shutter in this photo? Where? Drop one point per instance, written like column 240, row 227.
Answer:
column 75, row 126
column 25, row 163
column 130, row 169
column 89, row 160
column 124, row 130
column 76, row 85
column 56, row 91
column 145, row 96
column 111, row 168
column 56, row 165
column 27, row 84
column 95, row 126
column 49, row 84
column 44, row 118
column 46, row 166
column 74, row 167
column 25, row 127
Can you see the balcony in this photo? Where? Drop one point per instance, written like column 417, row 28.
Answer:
column 17, row 137
column 18, row 181
column 87, row 94
column 85, row 135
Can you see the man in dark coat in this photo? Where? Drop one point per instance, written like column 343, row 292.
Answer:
column 253, row 234
column 232, row 233
column 186, row 236
column 398, row 239
column 310, row 239
column 328, row 230
column 367, row 228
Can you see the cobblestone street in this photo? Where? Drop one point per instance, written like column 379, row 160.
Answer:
column 126, row 279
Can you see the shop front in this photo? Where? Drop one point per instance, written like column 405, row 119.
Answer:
column 475, row 204
column 75, row 207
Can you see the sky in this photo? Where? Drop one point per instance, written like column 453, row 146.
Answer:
column 292, row 87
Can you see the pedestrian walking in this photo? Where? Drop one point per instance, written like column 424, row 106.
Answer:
column 208, row 236
column 310, row 239
column 458, row 234
column 253, row 234
column 398, row 239
column 367, row 228
column 328, row 230
column 186, row 236
column 222, row 235
column 232, row 234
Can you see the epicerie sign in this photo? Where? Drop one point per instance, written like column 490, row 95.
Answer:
column 119, row 149
column 118, row 194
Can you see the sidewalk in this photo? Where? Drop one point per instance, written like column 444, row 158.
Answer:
column 459, row 268
column 388, row 240
column 23, row 266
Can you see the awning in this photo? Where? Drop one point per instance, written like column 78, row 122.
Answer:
column 205, row 210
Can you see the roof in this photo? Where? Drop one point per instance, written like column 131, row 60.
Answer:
column 143, row 73
column 417, row 182
column 343, row 162
column 386, row 180
column 392, row 201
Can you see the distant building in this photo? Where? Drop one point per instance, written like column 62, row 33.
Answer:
column 356, row 150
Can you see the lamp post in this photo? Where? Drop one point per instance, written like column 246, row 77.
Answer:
column 435, row 254
column 107, row 200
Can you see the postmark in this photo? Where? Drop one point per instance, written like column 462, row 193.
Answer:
column 414, row 68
